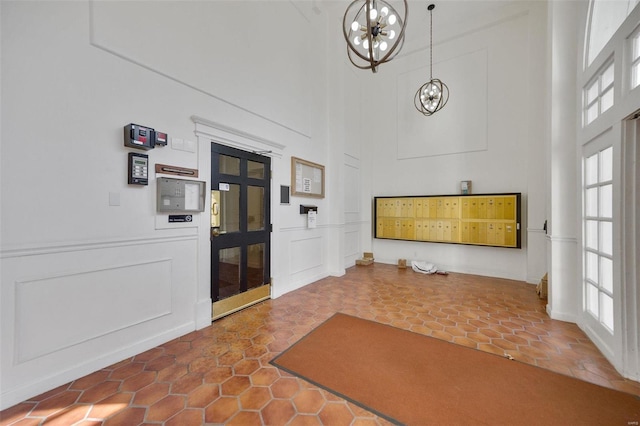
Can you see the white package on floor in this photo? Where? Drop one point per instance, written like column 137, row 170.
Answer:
column 423, row 267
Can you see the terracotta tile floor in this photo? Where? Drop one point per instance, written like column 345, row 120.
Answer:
column 221, row 374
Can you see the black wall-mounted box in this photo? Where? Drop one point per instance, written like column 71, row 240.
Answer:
column 306, row 209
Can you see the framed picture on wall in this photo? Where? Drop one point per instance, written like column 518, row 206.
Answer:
column 307, row 178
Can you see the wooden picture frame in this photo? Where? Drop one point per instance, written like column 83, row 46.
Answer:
column 307, row 178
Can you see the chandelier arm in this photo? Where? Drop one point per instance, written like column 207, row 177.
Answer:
column 400, row 36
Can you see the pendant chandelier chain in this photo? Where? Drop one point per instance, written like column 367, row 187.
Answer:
column 431, row 44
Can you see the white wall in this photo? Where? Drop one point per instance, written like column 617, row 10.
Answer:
column 491, row 131
column 87, row 280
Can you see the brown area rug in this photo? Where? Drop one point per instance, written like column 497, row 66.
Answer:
column 408, row 378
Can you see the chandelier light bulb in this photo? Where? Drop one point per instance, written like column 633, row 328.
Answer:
column 355, row 26
column 356, row 41
column 373, row 14
column 392, row 35
column 365, row 44
column 384, row 11
column 383, row 46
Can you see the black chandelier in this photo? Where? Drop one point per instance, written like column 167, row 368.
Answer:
column 433, row 95
column 374, row 32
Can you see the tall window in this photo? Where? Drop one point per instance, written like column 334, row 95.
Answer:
column 598, row 95
column 635, row 58
column 598, row 236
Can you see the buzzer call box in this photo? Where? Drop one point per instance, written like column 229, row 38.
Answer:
column 142, row 137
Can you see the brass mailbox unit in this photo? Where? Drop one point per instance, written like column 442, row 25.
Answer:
column 483, row 219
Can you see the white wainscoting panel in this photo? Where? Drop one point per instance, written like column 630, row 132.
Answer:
column 306, row 254
column 72, row 308
column 90, row 293
column 351, row 245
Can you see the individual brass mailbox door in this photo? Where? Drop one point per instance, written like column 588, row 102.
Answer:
column 466, row 206
column 499, row 207
column 510, row 208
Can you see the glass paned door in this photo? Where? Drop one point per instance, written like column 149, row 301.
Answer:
column 598, row 237
column 240, row 229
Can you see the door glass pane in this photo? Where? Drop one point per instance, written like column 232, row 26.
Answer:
column 255, row 208
column 591, row 208
column 592, row 300
column 606, row 201
column 229, row 165
column 607, row 311
column 229, row 275
column 606, row 165
column 230, row 209
column 592, row 234
column 606, row 238
column 606, row 274
column 591, row 170
column 592, row 267
column 255, row 170
column 255, row 265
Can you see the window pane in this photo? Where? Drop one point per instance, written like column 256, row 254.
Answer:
column 607, row 77
column 606, row 17
column 591, row 231
column 255, row 265
column 636, row 47
column 255, row 170
column 255, row 208
column 591, row 170
column 591, row 202
column 606, row 237
column 229, row 274
column 607, row 311
column 230, row 209
column 592, row 113
column 592, row 92
column 606, row 165
column 592, row 300
column 606, row 201
column 606, row 101
column 229, row 165
column 635, row 72
column 606, row 274
column 592, row 267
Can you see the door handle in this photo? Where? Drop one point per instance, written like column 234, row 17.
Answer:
column 215, row 232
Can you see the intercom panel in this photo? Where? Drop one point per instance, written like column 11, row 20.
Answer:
column 138, row 169
column 180, row 195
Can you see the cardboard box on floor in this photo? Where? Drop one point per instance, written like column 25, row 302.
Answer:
column 367, row 259
column 542, row 287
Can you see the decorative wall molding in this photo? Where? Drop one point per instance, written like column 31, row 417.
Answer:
column 72, row 246
column 94, row 42
column 236, row 138
column 569, row 240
